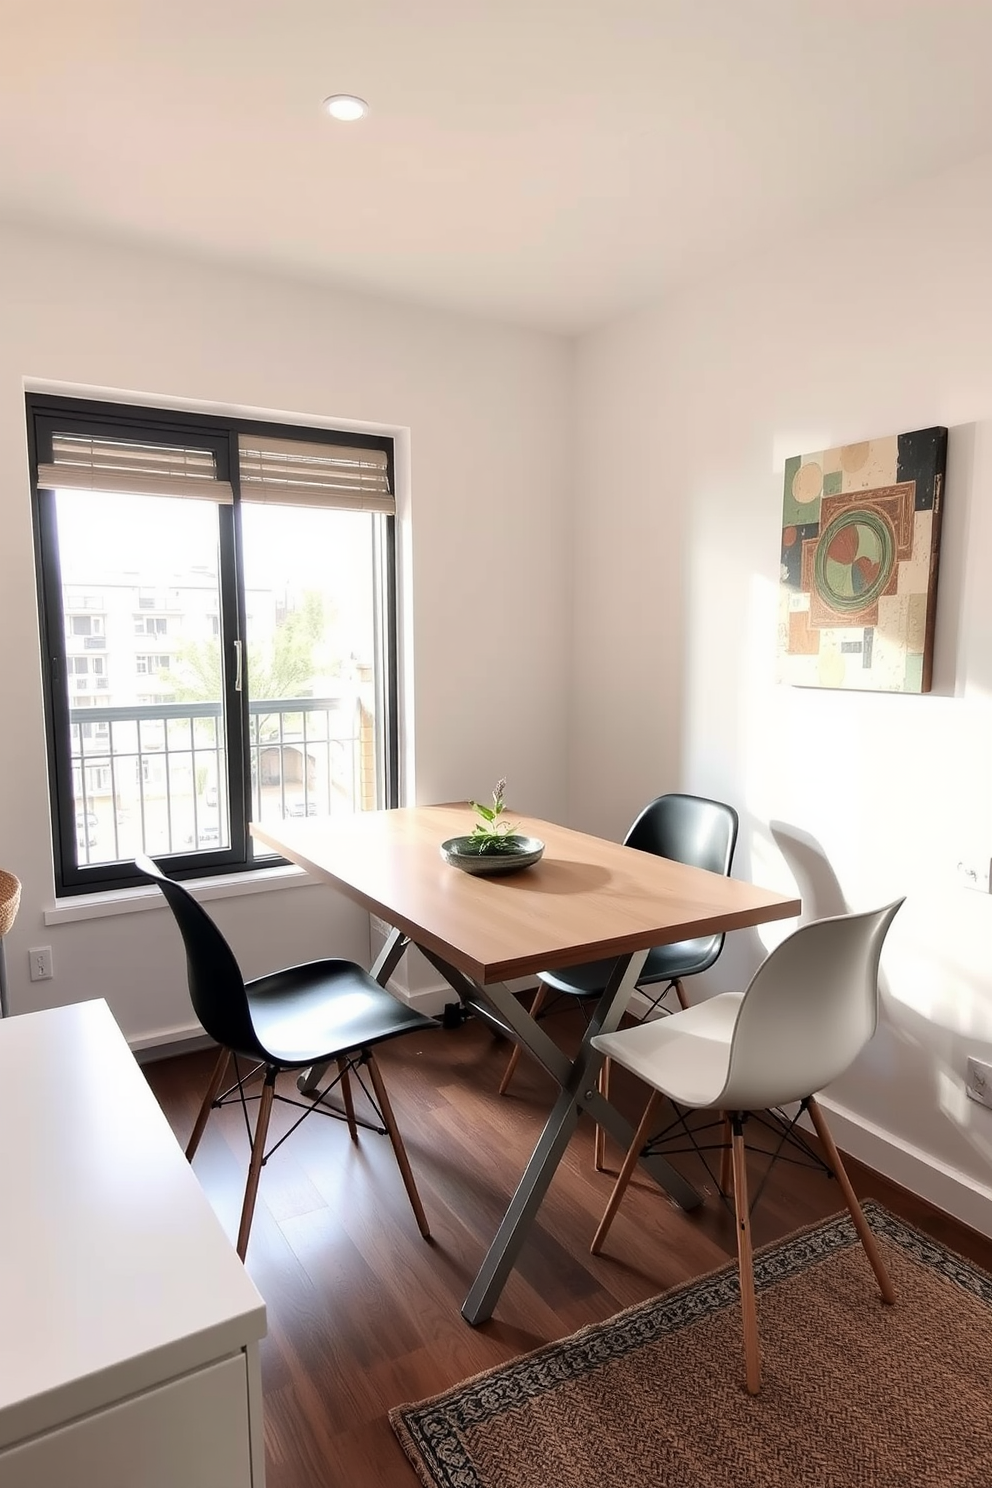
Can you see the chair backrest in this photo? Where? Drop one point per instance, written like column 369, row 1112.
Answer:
column 692, row 830
column 216, row 986
column 687, row 829
column 809, row 1010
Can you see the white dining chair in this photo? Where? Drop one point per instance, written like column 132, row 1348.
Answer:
column 808, row 1011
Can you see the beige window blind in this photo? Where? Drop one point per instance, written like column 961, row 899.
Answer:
column 296, row 472
column 81, row 462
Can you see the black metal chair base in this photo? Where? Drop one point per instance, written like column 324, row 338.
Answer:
column 237, row 1093
column 782, row 1130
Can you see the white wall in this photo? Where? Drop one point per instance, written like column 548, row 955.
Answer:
column 685, row 416
column 480, row 413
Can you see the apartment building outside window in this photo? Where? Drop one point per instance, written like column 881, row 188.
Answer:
column 237, row 582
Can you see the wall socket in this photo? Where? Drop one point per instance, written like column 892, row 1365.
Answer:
column 975, row 875
column 979, row 1086
column 42, row 967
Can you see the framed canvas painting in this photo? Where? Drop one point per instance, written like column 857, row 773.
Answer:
column 860, row 543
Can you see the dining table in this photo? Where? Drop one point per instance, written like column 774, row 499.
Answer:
column 586, row 899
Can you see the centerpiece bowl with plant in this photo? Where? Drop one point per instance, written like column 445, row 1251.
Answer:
column 493, row 845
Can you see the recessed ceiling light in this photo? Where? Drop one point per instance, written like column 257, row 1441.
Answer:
column 346, row 107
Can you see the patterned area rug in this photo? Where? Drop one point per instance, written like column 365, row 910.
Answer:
column 854, row 1394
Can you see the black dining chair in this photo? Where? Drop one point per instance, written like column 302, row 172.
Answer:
column 688, row 829
column 327, row 1012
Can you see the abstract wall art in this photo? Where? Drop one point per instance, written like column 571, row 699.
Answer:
column 860, row 542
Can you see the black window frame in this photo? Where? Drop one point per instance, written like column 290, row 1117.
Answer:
column 50, row 414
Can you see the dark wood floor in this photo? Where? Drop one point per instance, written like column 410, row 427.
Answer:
column 363, row 1314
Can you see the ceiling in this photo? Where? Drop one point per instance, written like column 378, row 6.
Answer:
column 553, row 162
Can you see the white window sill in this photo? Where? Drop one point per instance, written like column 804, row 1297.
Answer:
column 148, row 896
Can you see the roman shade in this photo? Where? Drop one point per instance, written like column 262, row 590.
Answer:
column 296, row 472
column 85, row 462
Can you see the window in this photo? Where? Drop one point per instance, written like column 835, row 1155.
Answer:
column 264, row 556
column 85, row 625
column 152, row 663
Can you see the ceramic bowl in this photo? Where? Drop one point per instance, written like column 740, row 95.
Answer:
column 459, row 852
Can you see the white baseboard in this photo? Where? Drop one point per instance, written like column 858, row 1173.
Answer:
column 431, row 999
column 427, row 1000
column 945, row 1187
column 181, row 1039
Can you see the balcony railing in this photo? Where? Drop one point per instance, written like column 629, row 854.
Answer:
column 152, row 778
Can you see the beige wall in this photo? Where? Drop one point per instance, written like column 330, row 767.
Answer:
column 685, row 416
column 480, row 413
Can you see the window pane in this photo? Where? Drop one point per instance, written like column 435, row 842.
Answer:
column 140, row 594
column 311, row 661
column 146, row 725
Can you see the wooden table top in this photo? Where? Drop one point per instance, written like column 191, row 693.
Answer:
column 587, row 898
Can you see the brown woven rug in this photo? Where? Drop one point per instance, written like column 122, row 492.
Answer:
column 854, row 1394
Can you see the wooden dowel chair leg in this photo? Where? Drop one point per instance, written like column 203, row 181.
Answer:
column 726, row 1157
column 514, row 1058
column 257, row 1157
column 680, row 993
column 861, row 1224
column 389, row 1120
column 626, row 1171
column 599, row 1140
column 745, row 1262
column 349, row 1104
column 213, row 1090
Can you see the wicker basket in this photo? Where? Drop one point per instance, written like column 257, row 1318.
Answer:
column 10, row 898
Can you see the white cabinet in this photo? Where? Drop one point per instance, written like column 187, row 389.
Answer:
column 130, row 1329
column 193, row 1432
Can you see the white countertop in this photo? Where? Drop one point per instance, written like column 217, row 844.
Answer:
column 115, row 1273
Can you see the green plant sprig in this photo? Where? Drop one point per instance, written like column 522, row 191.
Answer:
column 491, row 834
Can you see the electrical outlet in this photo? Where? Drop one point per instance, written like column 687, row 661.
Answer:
column 974, row 875
column 979, row 1085
column 42, row 967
